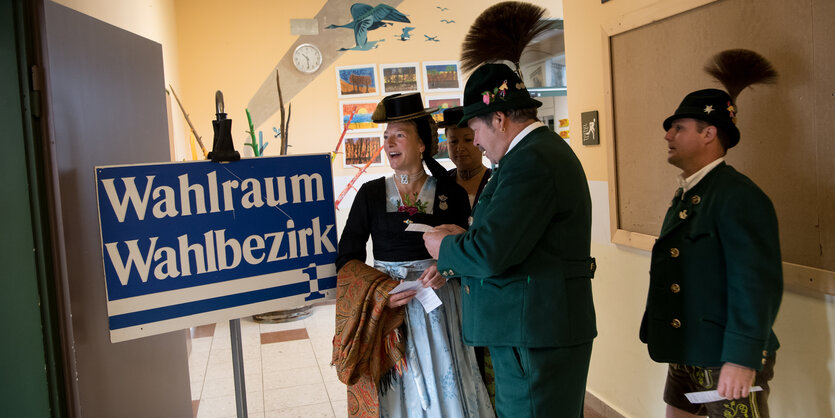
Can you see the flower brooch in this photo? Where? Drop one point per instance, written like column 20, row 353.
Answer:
column 498, row 93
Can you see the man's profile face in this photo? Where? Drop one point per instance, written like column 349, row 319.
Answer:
column 487, row 138
column 684, row 144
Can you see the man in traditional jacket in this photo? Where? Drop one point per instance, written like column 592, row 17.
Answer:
column 716, row 277
column 524, row 263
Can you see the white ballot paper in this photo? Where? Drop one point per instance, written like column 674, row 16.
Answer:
column 413, row 227
column 425, row 295
column 711, row 395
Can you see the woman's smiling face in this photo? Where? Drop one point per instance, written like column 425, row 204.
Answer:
column 403, row 146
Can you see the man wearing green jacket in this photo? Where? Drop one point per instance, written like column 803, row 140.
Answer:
column 715, row 276
column 524, row 262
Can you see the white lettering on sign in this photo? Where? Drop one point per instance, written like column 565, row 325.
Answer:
column 187, row 198
column 215, row 252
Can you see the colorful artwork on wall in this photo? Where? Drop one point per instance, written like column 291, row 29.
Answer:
column 442, row 76
column 442, row 102
column 362, row 111
column 443, row 150
column 356, row 81
column 360, row 149
column 365, row 18
column 400, row 78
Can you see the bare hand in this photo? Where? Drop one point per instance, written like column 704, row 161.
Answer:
column 432, row 239
column 431, row 278
column 735, row 381
column 399, row 299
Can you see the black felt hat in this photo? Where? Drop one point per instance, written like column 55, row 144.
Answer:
column 451, row 117
column 494, row 87
column 399, row 107
column 712, row 106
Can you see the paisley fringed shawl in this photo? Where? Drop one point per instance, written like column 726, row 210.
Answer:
column 367, row 343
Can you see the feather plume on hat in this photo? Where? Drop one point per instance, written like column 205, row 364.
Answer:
column 502, row 32
column 737, row 69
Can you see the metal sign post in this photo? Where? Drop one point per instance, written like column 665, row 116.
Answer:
column 238, row 367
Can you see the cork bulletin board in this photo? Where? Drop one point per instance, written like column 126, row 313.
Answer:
column 787, row 145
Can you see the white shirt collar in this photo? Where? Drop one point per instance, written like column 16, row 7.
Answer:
column 688, row 183
column 524, row 133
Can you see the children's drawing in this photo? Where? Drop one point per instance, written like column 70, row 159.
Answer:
column 362, row 112
column 400, row 78
column 361, row 150
column 441, row 76
column 442, row 102
column 356, row 81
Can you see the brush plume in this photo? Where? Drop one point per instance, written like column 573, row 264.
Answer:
column 502, row 32
column 737, row 69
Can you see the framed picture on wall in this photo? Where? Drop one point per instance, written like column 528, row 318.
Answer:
column 400, row 78
column 443, row 149
column 362, row 148
column 443, row 102
column 361, row 120
column 442, row 76
column 357, row 81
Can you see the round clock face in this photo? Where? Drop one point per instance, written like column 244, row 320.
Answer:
column 307, row 58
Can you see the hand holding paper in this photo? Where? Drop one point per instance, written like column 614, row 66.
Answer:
column 425, row 295
column 711, row 395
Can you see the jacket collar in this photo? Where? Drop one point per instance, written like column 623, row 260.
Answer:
column 684, row 204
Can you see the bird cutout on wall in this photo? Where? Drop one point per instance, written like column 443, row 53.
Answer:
column 367, row 18
column 443, row 9
column 405, row 36
column 431, row 38
column 369, row 45
column 447, row 21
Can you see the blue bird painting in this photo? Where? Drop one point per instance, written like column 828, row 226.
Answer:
column 447, row 21
column 367, row 18
column 431, row 38
column 369, row 45
column 406, row 35
column 443, row 9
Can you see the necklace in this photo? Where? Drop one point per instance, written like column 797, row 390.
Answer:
column 411, row 178
column 468, row 174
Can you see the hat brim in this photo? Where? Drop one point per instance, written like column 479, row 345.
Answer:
column 444, row 124
column 477, row 109
column 425, row 112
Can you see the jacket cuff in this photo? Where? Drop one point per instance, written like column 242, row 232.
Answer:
column 744, row 351
column 444, row 267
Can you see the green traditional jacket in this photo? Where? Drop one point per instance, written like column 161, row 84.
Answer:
column 524, row 263
column 716, row 276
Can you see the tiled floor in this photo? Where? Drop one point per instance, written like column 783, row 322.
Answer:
column 287, row 369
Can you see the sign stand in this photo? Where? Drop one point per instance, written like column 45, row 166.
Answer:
column 238, row 367
column 223, row 151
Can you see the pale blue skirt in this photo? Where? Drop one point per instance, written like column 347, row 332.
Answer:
column 441, row 377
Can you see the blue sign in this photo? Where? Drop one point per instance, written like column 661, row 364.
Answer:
column 186, row 244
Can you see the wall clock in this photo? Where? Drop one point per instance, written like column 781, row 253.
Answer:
column 307, row 58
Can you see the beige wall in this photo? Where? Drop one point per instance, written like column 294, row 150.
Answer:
column 621, row 372
column 256, row 35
